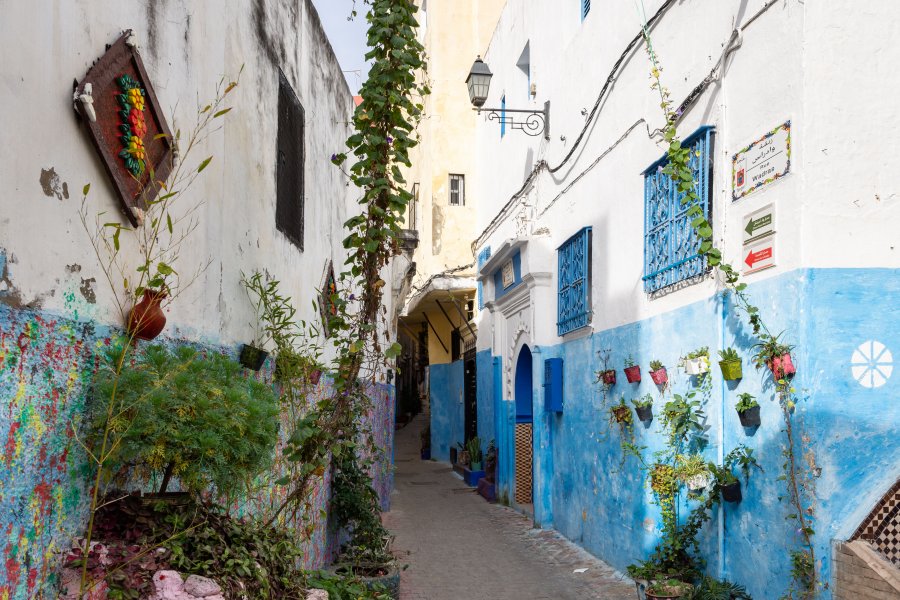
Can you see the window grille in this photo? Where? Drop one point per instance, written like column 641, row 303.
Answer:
column 289, row 209
column 457, row 190
column 671, row 246
column 503, row 115
column 574, row 301
column 585, row 8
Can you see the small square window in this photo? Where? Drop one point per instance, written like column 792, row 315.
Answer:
column 457, row 190
column 289, row 209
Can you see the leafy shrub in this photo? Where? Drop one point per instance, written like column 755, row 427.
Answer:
column 180, row 413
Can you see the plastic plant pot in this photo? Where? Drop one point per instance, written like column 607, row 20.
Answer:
column 633, row 374
column 621, row 413
column 696, row 366
column 731, row 369
column 698, row 482
column 750, row 417
column 781, row 366
column 644, row 413
column 731, row 492
column 659, row 376
column 252, row 357
column 609, row 377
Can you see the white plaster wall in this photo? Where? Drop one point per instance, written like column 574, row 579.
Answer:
column 825, row 66
column 186, row 47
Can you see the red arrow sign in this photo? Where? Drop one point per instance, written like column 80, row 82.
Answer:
column 755, row 257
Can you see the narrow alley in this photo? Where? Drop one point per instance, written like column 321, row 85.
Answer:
column 457, row 545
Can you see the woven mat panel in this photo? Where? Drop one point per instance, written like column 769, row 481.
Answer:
column 523, row 463
column 882, row 527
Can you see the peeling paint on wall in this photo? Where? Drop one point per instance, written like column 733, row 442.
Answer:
column 53, row 185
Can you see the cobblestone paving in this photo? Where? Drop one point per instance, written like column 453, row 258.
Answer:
column 459, row 547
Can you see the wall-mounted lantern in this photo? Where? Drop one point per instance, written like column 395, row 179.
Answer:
column 479, row 82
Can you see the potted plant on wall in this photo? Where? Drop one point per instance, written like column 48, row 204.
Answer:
column 727, row 482
column 290, row 364
column 607, row 376
column 775, row 355
column 620, row 412
column 748, row 410
column 643, row 406
column 696, row 362
column 658, row 373
column 632, row 370
column 730, row 364
column 693, row 471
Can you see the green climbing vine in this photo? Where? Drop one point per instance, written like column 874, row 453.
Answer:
column 770, row 351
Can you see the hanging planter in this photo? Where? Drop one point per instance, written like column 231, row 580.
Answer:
column 644, row 413
column 621, row 413
column 633, row 374
column 698, row 482
column 782, row 366
column 730, row 364
column 252, row 357
column 731, row 492
column 608, row 377
column 750, row 417
column 146, row 320
column 659, row 376
column 696, row 366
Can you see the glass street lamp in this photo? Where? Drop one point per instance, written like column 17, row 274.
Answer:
column 479, row 82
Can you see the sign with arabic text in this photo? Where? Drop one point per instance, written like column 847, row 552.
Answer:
column 762, row 162
column 758, row 224
column 758, row 256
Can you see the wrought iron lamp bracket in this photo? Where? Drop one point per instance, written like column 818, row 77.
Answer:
column 537, row 122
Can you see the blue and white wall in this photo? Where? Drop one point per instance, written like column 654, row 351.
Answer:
column 834, row 288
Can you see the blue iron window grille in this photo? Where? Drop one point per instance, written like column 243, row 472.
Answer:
column 585, row 8
column 671, row 246
column 503, row 115
column 574, row 300
column 483, row 257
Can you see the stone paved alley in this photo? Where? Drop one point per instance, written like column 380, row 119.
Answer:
column 459, row 547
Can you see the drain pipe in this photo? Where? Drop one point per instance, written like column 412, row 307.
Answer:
column 721, row 440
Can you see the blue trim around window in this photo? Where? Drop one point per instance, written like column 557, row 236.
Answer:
column 499, row 290
column 671, row 246
column 574, row 283
column 483, row 257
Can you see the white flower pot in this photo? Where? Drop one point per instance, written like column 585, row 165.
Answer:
column 696, row 366
column 698, row 481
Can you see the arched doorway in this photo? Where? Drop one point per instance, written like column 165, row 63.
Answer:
column 524, row 396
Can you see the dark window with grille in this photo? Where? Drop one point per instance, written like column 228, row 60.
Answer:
column 457, row 190
column 289, row 166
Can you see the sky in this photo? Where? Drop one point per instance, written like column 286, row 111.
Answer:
column 348, row 38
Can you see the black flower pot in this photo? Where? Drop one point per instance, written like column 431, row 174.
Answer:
column 750, row 417
column 252, row 357
column 731, row 492
column 644, row 413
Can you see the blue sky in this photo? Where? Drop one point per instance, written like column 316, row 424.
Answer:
column 348, row 38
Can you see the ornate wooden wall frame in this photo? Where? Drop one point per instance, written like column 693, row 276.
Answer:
column 117, row 103
column 327, row 307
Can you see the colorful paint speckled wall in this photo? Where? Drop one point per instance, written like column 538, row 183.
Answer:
column 46, row 365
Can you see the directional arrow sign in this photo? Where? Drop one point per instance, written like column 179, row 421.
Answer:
column 759, row 256
column 758, row 224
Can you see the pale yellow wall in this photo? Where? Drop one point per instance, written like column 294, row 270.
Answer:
column 455, row 32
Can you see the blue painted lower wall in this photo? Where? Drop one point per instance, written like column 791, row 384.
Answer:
column 447, row 410
column 584, row 490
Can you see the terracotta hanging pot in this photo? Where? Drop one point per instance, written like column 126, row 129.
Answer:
column 146, row 320
column 633, row 374
column 782, row 366
column 659, row 376
column 609, row 377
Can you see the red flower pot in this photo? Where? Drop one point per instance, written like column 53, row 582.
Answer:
column 633, row 374
column 146, row 320
column 609, row 377
column 781, row 366
column 659, row 376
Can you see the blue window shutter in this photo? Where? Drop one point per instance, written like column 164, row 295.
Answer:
column 671, row 246
column 553, row 384
column 574, row 283
column 503, row 115
column 483, row 257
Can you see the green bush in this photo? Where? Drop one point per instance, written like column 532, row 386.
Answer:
column 187, row 415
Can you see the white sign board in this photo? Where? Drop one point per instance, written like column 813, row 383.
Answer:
column 762, row 162
column 508, row 274
column 758, row 255
column 758, row 224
